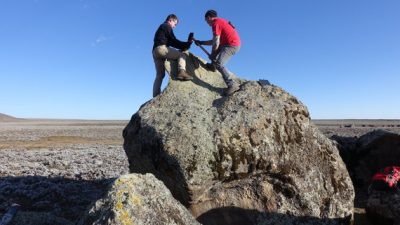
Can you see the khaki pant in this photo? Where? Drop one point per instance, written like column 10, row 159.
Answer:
column 160, row 54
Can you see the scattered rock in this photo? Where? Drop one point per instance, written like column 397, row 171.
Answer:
column 62, row 183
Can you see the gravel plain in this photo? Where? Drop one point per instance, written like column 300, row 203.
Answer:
column 355, row 128
column 55, row 168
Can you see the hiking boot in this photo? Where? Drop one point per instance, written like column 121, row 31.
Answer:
column 210, row 67
column 183, row 75
column 232, row 89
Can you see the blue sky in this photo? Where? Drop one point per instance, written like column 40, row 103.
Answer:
column 91, row 59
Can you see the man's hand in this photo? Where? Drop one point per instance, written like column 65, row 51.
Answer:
column 190, row 37
column 186, row 46
column 213, row 56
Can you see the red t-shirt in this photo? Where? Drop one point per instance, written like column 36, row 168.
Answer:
column 228, row 34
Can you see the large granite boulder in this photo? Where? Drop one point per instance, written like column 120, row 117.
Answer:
column 367, row 154
column 377, row 150
column 252, row 155
column 137, row 199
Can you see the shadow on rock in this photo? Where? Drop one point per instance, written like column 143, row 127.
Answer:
column 195, row 64
column 56, row 197
column 146, row 154
column 192, row 67
column 239, row 216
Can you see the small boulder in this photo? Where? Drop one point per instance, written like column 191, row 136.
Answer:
column 137, row 199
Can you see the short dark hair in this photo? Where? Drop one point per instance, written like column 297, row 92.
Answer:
column 171, row 16
column 211, row 13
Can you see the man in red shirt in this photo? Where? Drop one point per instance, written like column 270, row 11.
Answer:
column 225, row 43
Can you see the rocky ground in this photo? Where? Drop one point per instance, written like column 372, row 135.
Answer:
column 55, row 168
column 352, row 130
column 355, row 128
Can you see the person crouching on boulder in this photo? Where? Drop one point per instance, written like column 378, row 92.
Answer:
column 225, row 43
column 164, row 39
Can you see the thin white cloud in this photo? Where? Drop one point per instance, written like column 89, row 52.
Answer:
column 85, row 6
column 99, row 40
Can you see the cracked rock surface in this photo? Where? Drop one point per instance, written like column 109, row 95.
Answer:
column 252, row 154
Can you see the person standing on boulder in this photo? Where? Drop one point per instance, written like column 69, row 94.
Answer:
column 225, row 43
column 164, row 39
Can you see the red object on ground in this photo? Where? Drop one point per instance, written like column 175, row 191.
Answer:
column 386, row 179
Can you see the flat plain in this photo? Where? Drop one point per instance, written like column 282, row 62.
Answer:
column 355, row 127
column 88, row 141
column 55, row 168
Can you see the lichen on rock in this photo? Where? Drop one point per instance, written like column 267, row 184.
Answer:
column 134, row 199
column 256, row 151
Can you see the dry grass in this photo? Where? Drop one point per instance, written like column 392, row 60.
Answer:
column 56, row 141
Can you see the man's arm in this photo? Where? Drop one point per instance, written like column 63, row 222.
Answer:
column 215, row 46
column 174, row 42
column 210, row 42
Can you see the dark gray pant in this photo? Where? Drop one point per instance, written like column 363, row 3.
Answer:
column 225, row 53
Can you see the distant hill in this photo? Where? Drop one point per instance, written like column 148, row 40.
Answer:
column 7, row 118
